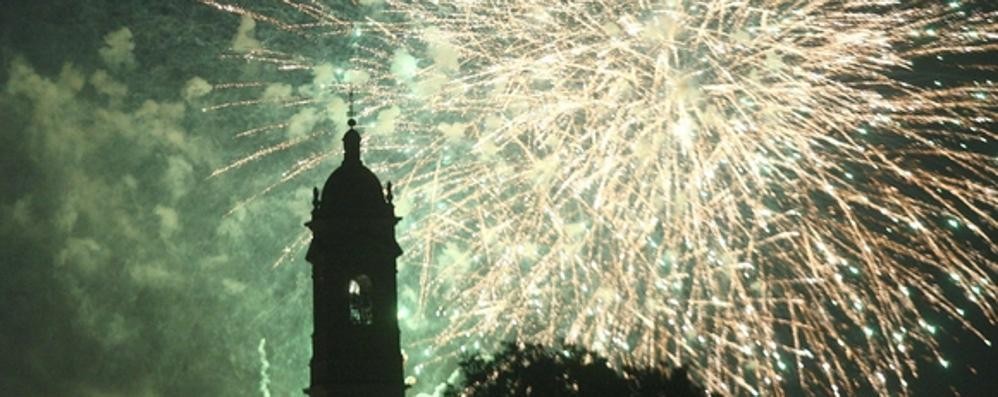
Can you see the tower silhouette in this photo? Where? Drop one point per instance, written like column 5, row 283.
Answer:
column 355, row 341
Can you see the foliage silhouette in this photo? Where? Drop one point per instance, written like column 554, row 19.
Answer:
column 534, row 370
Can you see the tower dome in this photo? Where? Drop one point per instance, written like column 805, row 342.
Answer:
column 353, row 187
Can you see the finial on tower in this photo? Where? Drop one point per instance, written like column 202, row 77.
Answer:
column 351, row 140
column 350, row 113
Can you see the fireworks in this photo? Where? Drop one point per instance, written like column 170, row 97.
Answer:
column 759, row 188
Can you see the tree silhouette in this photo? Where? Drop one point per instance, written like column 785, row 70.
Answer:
column 534, row 370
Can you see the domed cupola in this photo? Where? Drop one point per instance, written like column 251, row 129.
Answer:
column 352, row 189
column 352, row 201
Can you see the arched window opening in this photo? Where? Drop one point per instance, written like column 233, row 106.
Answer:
column 361, row 312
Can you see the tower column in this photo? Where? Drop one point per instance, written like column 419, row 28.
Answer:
column 355, row 338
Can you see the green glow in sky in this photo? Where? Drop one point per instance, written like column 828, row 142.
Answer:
column 141, row 256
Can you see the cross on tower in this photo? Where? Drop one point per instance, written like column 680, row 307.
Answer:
column 350, row 112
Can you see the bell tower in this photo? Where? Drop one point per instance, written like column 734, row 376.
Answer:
column 355, row 341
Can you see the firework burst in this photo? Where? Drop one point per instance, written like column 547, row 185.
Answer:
column 760, row 188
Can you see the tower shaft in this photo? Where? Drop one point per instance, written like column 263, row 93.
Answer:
column 355, row 340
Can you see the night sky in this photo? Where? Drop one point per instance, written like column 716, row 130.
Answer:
column 125, row 271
